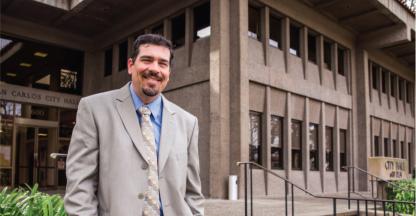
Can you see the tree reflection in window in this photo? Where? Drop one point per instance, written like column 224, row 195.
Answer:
column 255, row 137
column 68, row 79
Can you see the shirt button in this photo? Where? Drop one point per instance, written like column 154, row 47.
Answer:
column 141, row 196
column 145, row 166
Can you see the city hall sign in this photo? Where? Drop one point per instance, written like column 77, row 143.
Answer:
column 23, row 94
column 388, row 168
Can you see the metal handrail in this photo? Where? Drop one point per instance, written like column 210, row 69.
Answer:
column 293, row 185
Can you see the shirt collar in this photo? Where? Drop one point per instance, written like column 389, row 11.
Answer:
column 155, row 106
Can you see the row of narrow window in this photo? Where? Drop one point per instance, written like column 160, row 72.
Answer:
column 277, row 144
column 397, row 153
column 275, row 40
column 403, row 85
column 201, row 27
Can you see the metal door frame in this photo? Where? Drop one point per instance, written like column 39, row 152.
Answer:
column 35, row 123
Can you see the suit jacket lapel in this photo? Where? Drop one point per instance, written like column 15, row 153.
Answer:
column 125, row 109
column 167, row 133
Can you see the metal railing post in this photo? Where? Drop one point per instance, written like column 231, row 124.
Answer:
column 349, row 187
column 358, row 207
column 375, row 207
column 245, row 190
column 366, row 208
column 384, row 208
column 251, row 190
column 372, row 187
column 286, row 198
column 394, row 208
column 293, row 202
column 334, row 205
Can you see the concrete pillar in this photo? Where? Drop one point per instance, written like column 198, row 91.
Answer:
column 265, row 32
column 334, row 63
column 239, row 86
column 267, row 139
column 305, row 143
column 286, row 41
column 189, row 34
column 304, row 50
column 219, row 150
column 361, row 113
column 336, row 149
column 287, row 147
column 320, row 57
column 322, row 140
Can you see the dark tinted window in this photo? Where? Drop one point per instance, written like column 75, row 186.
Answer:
column 277, row 142
column 202, row 23
column 294, row 40
column 296, row 145
column 178, row 31
column 275, row 32
column 108, row 62
column 314, row 146
column 254, row 23
column 122, row 56
column 255, row 137
column 312, row 48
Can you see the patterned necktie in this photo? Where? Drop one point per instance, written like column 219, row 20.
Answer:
column 151, row 201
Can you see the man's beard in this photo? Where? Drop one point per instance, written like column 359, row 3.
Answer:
column 148, row 91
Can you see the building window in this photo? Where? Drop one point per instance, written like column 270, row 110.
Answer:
column 328, row 55
column 384, row 74
column 393, row 85
column 402, row 150
column 401, row 85
column 342, row 61
column 374, row 71
column 386, row 147
column 277, row 142
column 254, row 23
column 294, row 40
column 296, row 145
column 178, row 31
column 314, row 146
column 122, row 56
column 409, row 91
column 329, row 149
column 255, row 134
column 312, row 48
column 343, row 149
column 377, row 149
column 275, row 32
column 202, row 21
column 395, row 152
column 108, row 62
column 158, row 29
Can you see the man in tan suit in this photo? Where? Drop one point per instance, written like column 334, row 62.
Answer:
column 132, row 151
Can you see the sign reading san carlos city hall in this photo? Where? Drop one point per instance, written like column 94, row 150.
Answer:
column 23, row 94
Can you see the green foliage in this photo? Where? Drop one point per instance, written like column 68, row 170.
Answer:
column 30, row 202
column 403, row 190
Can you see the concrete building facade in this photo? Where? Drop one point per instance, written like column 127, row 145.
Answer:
column 301, row 87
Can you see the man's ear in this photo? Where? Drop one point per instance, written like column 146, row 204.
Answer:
column 130, row 64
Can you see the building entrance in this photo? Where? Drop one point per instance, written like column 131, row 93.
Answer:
column 34, row 140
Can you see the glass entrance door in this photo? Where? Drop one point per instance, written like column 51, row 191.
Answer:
column 34, row 144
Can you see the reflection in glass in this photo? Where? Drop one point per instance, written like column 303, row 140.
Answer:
column 255, row 134
column 313, row 147
column 296, row 145
column 276, row 142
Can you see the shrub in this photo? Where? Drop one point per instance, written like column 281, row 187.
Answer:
column 404, row 190
column 30, row 202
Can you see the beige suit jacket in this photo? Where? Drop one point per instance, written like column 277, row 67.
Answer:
column 106, row 170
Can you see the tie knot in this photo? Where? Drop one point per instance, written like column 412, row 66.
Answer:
column 145, row 111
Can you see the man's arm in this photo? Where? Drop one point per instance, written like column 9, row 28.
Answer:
column 193, row 195
column 82, row 165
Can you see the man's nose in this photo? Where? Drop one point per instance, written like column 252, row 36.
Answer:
column 154, row 66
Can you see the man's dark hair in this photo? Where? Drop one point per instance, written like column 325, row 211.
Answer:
column 153, row 39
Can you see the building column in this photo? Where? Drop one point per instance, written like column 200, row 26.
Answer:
column 219, row 149
column 239, row 87
column 286, row 41
column 322, row 151
column 305, row 144
column 361, row 115
column 287, row 146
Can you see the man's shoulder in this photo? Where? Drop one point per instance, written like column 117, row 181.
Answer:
column 104, row 96
column 179, row 110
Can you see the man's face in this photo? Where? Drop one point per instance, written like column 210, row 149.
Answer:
column 150, row 71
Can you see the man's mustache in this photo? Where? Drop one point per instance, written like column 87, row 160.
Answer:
column 152, row 74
